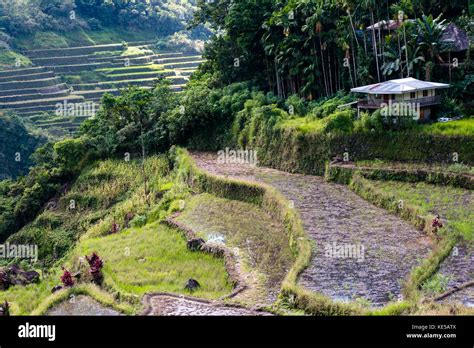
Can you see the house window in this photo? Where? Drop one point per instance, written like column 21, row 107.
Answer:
column 412, row 95
column 425, row 93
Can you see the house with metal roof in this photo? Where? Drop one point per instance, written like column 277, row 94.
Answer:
column 396, row 97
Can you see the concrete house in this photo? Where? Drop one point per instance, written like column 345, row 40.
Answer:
column 401, row 97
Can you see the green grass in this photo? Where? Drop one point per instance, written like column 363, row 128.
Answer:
column 42, row 39
column 36, row 299
column 143, row 74
column 9, row 58
column 454, row 205
column 304, row 124
column 436, row 284
column 138, row 260
column 245, row 226
column 24, row 299
column 108, row 35
column 458, row 127
column 338, row 121
column 155, row 258
column 453, row 168
column 90, row 290
column 107, row 53
column 80, row 37
column 49, row 39
column 83, row 77
column 151, row 67
column 135, row 52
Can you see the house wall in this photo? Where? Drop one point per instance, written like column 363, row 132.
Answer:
column 418, row 94
column 404, row 96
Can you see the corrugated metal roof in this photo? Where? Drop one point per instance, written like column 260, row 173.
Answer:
column 388, row 25
column 399, row 86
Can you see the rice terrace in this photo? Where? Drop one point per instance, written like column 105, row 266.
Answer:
column 236, row 158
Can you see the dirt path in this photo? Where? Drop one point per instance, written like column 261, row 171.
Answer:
column 170, row 305
column 380, row 248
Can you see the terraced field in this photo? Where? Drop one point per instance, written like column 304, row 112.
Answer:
column 333, row 216
column 64, row 86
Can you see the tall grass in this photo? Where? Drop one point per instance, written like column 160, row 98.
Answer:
column 459, row 127
column 104, row 193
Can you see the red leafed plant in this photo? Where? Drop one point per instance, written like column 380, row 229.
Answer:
column 115, row 228
column 437, row 222
column 66, row 278
column 96, row 264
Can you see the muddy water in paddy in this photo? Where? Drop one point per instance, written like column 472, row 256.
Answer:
column 459, row 268
column 387, row 248
column 82, row 305
column 167, row 305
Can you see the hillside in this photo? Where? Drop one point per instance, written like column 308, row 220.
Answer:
column 237, row 157
column 65, row 86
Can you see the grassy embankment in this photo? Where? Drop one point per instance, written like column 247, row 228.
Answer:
column 305, row 144
column 146, row 257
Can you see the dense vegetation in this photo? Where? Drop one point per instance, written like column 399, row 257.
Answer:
column 19, row 17
column 36, row 24
column 16, row 146
column 276, row 79
column 315, row 48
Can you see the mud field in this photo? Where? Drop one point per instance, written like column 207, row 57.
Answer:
column 82, row 305
column 459, row 268
column 169, row 305
column 380, row 248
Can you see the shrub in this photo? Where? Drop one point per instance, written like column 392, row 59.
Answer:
column 138, row 221
column 95, row 264
column 297, row 104
column 436, row 284
column 340, row 121
column 369, row 122
column 66, row 278
column 450, row 107
column 329, row 106
column 70, row 153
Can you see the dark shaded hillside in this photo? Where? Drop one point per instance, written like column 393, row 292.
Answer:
column 16, row 146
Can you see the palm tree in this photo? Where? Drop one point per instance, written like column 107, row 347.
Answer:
column 429, row 33
column 393, row 62
column 370, row 5
column 314, row 27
